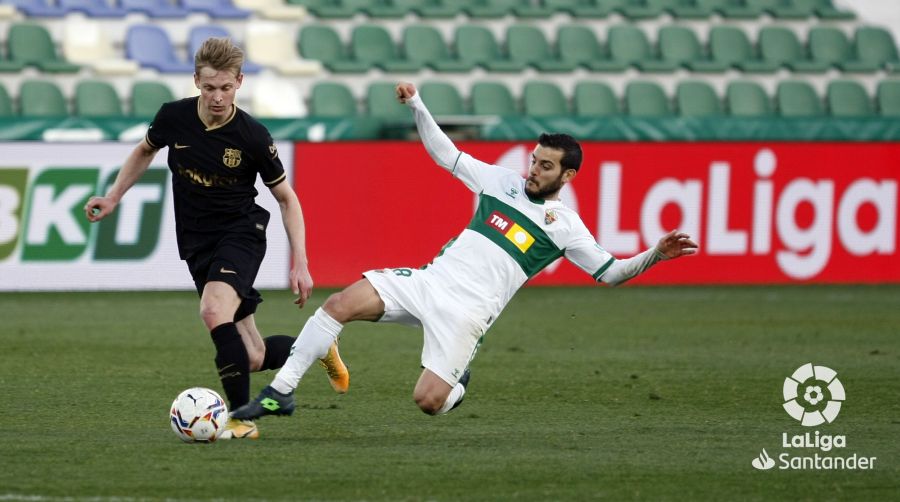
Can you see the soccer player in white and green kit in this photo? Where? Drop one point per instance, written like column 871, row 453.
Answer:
column 519, row 228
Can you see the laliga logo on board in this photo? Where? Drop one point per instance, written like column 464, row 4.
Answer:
column 822, row 395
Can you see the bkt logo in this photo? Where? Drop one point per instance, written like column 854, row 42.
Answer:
column 47, row 217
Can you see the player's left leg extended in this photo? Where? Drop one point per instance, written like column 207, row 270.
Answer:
column 434, row 396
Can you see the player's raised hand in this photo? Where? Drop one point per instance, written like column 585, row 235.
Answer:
column 98, row 208
column 405, row 90
column 301, row 283
column 675, row 244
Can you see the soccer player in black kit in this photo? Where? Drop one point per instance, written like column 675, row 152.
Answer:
column 216, row 151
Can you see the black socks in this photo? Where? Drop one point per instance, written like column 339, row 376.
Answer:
column 278, row 349
column 232, row 363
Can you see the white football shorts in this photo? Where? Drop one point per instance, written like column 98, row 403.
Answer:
column 451, row 337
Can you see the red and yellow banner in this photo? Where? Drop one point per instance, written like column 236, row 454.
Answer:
column 761, row 212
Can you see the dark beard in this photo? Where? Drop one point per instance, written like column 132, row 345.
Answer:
column 543, row 193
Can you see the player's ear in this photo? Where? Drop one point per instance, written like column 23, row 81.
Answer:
column 238, row 80
column 196, row 80
column 568, row 174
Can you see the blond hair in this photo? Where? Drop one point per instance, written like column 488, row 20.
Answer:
column 220, row 55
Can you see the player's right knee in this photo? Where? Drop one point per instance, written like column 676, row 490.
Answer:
column 428, row 403
column 336, row 307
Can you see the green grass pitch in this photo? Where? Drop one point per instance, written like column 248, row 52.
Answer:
column 632, row 393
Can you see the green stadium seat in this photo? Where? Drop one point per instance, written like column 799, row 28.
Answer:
column 697, row 99
column 425, row 45
column 730, row 9
column 6, row 103
column 147, row 97
column 797, row 99
column 321, row 43
column 876, row 46
column 679, row 45
column 829, row 45
column 682, row 9
column 594, row 99
column 824, row 9
column 381, row 102
column 526, row 44
column 500, row 8
column 331, row 100
column 779, row 45
column 476, row 44
column 646, row 99
column 747, row 99
column 373, row 44
column 492, row 98
column 887, row 95
column 633, row 10
column 333, row 9
column 782, row 9
column 580, row 9
column 579, row 45
column 30, row 44
column 41, row 98
column 628, row 45
column 847, row 98
column 441, row 9
column 543, row 99
column 96, row 98
column 730, row 45
column 442, row 98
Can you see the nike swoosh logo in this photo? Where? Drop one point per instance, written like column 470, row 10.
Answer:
column 179, row 147
column 226, row 271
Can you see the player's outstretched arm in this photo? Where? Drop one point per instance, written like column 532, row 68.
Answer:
column 135, row 166
column 438, row 144
column 300, row 280
column 672, row 245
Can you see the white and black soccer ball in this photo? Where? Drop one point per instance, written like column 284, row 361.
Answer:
column 198, row 415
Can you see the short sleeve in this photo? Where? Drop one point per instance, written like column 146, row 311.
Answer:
column 475, row 174
column 158, row 133
column 587, row 255
column 271, row 169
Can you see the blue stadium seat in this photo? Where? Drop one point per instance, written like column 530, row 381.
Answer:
column 150, row 47
column 38, row 8
column 93, row 8
column 155, row 8
column 200, row 33
column 216, row 9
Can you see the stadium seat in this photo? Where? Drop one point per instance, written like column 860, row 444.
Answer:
column 438, row 9
column 147, row 97
column 30, row 44
column 150, row 46
column 543, row 99
column 6, row 103
column 697, row 99
column 779, row 45
column 425, row 45
column 747, row 99
column 335, row 9
column 500, row 8
column 682, row 9
column 381, row 102
column 319, row 42
column 580, row 9
column 887, row 95
column 477, row 45
column 633, row 10
column 161, row 9
column 41, row 98
column 847, row 98
column 797, row 99
column 39, row 8
column 802, row 9
column 373, row 44
column 579, row 45
column 730, row 9
column 730, row 45
column 876, row 46
column 646, row 99
column 492, row 98
column 96, row 9
column 442, row 98
column 526, row 44
column 329, row 99
column 628, row 44
column 594, row 99
column 200, row 33
column 679, row 45
column 216, row 9
column 271, row 44
column 829, row 45
column 85, row 42
column 96, row 98
column 273, row 9
column 277, row 98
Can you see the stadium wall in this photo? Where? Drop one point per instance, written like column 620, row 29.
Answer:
column 763, row 212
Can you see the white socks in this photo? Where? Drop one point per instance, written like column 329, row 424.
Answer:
column 456, row 395
column 316, row 337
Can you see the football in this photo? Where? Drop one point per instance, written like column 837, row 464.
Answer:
column 198, row 415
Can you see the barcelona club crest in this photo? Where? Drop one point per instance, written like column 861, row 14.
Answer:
column 549, row 216
column 232, row 157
